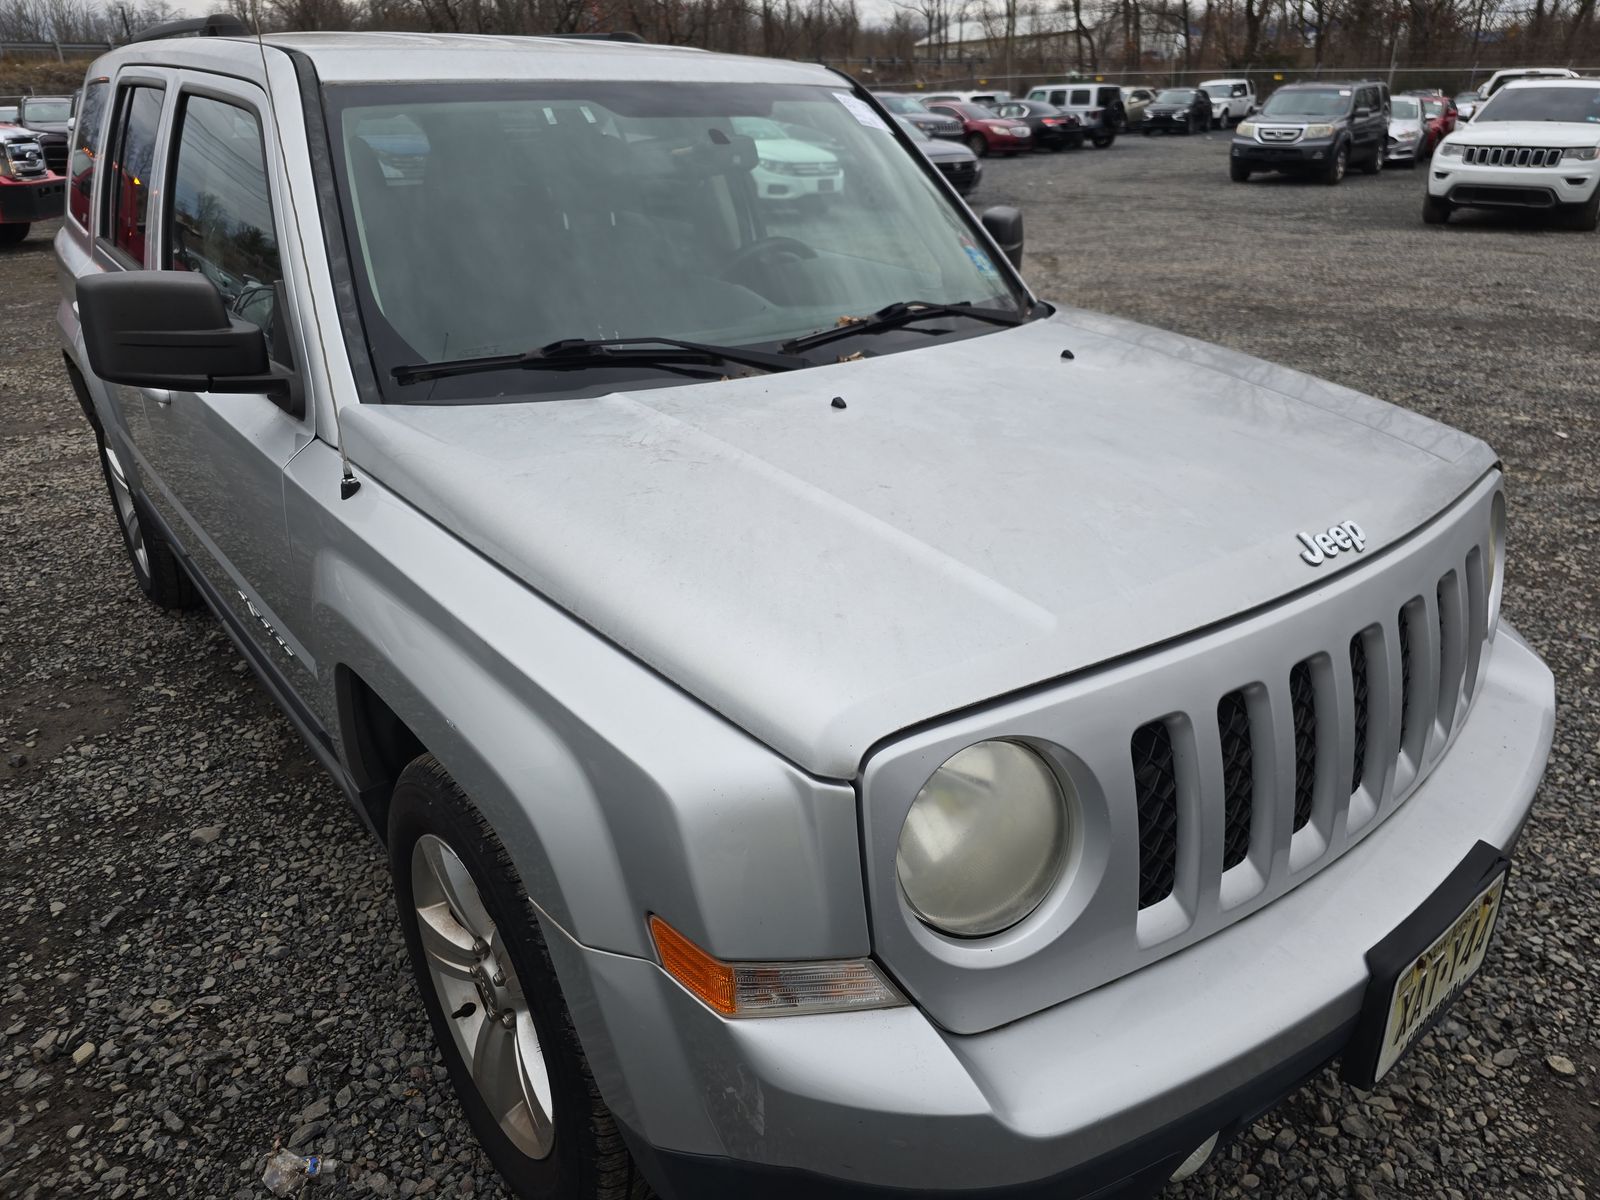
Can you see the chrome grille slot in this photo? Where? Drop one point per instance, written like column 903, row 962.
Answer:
column 1155, row 779
column 1238, row 777
column 1303, row 703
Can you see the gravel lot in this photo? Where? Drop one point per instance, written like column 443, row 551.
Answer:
column 198, row 951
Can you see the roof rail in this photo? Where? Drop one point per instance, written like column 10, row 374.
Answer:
column 616, row 35
column 216, row 25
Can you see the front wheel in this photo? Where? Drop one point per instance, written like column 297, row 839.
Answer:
column 1238, row 172
column 495, row 1004
column 1337, row 165
column 1103, row 141
column 1436, row 209
column 155, row 564
column 1374, row 165
column 1585, row 216
column 978, row 144
column 11, row 235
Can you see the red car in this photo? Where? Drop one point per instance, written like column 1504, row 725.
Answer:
column 984, row 131
column 1441, row 115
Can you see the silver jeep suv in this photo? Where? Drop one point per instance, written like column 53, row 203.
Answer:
column 809, row 688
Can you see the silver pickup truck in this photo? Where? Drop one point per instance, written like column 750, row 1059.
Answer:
column 809, row 688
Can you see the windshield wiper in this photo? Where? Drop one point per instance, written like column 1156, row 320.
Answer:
column 576, row 353
column 896, row 315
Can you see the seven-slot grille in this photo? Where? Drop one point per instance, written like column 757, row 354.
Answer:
column 1511, row 156
column 1441, row 655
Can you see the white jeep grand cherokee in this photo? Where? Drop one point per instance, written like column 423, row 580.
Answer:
column 1536, row 144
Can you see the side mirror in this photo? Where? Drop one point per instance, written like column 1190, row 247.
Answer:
column 1004, row 224
column 72, row 123
column 168, row 329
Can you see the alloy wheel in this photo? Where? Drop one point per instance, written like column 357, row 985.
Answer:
column 477, row 986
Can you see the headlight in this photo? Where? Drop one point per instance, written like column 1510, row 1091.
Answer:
column 985, row 840
column 1450, row 150
column 1246, row 129
column 1586, row 154
column 1406, row 135
column 1319, row 131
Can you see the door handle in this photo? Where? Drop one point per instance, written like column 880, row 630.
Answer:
column 160, row 395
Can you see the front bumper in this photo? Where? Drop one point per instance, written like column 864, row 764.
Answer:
column 1099, row 1096
column 1287, row 156
column 1166, row 121
column 1512, row 187
column 32, row 199
column 1402, row 152
column 772, row 185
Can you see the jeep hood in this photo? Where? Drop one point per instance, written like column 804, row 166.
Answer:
column 982, row 516
column 1526, row 133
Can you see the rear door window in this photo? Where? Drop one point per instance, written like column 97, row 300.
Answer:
column 1080, row 96
column 86, row 151
column 132, row 155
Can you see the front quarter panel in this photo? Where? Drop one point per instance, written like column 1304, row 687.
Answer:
column 616, row 794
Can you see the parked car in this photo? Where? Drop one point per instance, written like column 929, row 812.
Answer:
column 790, row 170
column 1098, row 107
column 1466, row 105
column 1532, row 146
column 47, row 116
column 1178, row 110
column 1052, row 128
column 1442, row 117
column 29, row 190
column 937, row 125
column 1512, row 74
column 955, row 161
column 1134, row 102
column 1408, row 139
column 808, row 763
column 985, row 131
column 1232, row 100
column 1315, row 129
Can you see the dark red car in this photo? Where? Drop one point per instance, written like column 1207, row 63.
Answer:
column 984, row 131
column 1441, row 114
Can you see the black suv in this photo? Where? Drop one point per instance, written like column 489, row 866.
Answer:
column 910, row 108
column 1316, row 129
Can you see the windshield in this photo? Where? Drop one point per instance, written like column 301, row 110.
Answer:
column 1403, row 108
column 1467, row 98
column 8, row 112
column 46, row 110
column 1176, row 96
column 902, row 104
column 495, row 218
column 1434, row 108
column 1311, row 102
column 972, row 112
column 1578, row 105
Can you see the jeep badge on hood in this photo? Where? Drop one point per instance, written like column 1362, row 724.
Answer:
column 1346, row 535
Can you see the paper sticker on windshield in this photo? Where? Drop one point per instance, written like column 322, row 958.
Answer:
column 861, row 111
column 982, row 261
column 1344, row 91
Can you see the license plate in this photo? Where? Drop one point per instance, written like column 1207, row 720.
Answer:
column 1411, row 988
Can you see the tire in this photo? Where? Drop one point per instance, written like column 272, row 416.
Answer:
column 978, row 144
column 1586, row 216
column 1238, row 172
column 1436, row 210
column 1102, row 141
column 1333, row 173
column 155, row 564
column 1188, row 126
column 574, row 1151
column 1148, row 132
column 1374, row 165
column 12, row 235
column 1075, row 141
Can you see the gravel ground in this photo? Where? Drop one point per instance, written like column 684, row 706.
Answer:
column 199, row 956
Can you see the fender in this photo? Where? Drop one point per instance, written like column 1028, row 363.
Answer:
column 616, row 793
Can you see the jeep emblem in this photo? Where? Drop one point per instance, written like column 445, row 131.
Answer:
column 1346, row 535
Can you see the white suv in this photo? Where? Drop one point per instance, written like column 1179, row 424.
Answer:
column 1536, row 144
column 1232, row 100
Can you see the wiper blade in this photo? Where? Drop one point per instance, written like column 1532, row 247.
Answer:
column 576, row 353
column 900, row 313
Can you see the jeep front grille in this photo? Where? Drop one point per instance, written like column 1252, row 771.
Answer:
column 1510, row 156
column 1435, row 662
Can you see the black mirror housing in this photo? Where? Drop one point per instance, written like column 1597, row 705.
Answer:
column 168, row 329
column 1004, row 224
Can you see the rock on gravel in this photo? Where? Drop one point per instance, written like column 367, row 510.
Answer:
column 209, row 972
